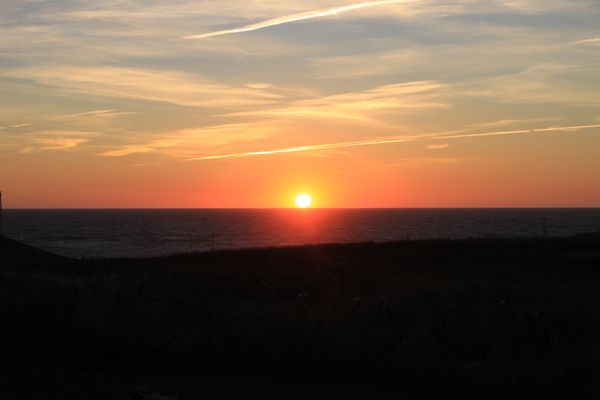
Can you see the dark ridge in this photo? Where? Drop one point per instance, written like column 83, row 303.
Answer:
column 590, row 237
column 14, row 253
column 491, row 318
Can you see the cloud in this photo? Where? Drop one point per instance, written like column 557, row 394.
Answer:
column 438, row 146
column 87, row 114
column 574, row 128
column 505, row 122
column 126, row 151
column 296, row 17
column 368, row 63
column 14, row 126
column 368, row 105
column 463, row 54
column 46, row 144
column 186, row 141
column 151, row 85
column 396, row 95
column 70, row 133
column 392, row 139
column 551, row 83
column 94, row 114
column 363, row 110
column 588, row 41
column 55, row 140
column 296, row 149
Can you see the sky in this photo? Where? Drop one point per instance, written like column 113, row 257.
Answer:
column 391, row 103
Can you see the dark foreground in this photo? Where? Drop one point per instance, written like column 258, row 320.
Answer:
column 410, row 320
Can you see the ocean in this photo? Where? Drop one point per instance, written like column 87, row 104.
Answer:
column 145, row 233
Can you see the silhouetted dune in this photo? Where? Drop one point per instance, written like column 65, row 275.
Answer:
column 591, row 237
column 14, row 253
column 486, row 317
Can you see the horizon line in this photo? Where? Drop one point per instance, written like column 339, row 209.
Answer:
column 303, row 209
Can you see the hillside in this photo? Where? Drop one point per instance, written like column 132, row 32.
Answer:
column 480, row 317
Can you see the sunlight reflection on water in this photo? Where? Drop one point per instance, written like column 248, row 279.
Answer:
column 132, row 233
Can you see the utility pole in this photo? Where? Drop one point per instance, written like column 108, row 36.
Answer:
column 1, row 224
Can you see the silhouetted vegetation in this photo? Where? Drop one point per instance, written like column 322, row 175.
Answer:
column 491, row 317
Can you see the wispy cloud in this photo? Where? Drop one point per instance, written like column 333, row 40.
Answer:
column 368, row 63
column 70, row 133
column 148, row 84
column 296, row 17
column 551, row 83
column 296, row 149
column 95, row 114
column 507, row 122
column 128, row 150
column 393, row 139
column 573, row 128
column 185, row 141
column 14, row 126
column 35, row 142
column 438, row 146
column 53, row 144
column 367, row 105
column 587, row 41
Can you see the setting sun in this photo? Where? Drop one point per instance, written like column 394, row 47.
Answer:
column 303, row 200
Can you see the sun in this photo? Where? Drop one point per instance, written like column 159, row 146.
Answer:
column 303, row 200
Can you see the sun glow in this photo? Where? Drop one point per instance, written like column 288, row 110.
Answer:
column 303, row 200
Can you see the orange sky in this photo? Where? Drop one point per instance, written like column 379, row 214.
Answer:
column 360, row 104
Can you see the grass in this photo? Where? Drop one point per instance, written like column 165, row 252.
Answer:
column 490, row 317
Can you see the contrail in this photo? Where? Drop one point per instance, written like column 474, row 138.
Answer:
column 296, row 17
column 357, row 143
column 519, row 132
column 86, row 113
column 585, row 41
column 392, row 139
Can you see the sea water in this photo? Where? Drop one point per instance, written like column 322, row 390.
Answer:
column 143, row 233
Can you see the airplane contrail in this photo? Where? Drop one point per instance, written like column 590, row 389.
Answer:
column 296, row 17
column 519, row 131
column 325, row 146
column 585, row 41
column 392, row 139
